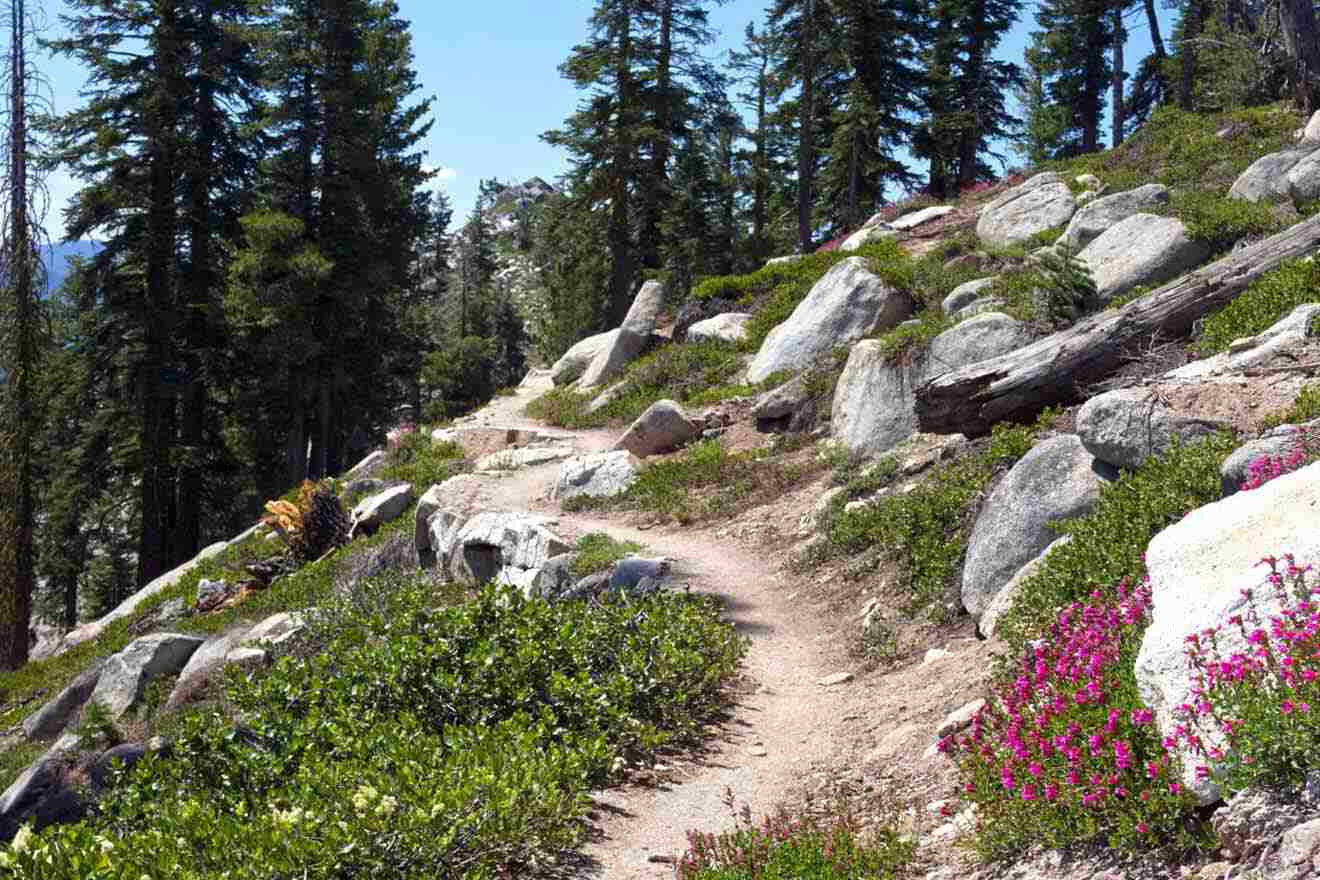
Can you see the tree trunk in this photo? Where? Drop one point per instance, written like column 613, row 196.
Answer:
column 295, row 448
column 806, row 170
column 16, row 617
column 1153, row 22
column 1191, row 32
column 162, row 222
column 653, row 210
column 969, row 136
column 1018, row 385
column 761, row 163
column 619, row 236
column 200, row 294
column 1116, row 81
column 1297, row 18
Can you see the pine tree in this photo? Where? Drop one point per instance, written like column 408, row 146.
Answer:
column 752, row 71
column 20, row 352
column 1070, row 52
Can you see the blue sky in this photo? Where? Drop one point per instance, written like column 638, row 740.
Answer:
column 492, row 68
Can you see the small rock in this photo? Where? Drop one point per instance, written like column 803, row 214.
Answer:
column 960, row 719
column 757, row 751
column 836, row 678
column 934, row 655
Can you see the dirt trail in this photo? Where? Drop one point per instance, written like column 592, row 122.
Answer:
column 781, row 726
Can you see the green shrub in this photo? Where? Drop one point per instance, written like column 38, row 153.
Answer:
column 807, row 848
column 430, row 742
column 419, row 460
column 915, row 337
column 691, row 373
column 598, row 551
column 1305, row 408
column 1109, row 544
column 1220, row 221
column 677, row 487
column 1270, row 299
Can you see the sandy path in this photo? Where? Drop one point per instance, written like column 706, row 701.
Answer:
column 781, row 725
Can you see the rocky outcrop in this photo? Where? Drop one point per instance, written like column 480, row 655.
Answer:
column 1141, row 249
column 205, row 662
column 373, row 512
column 1267, row 179
column 1198, row 569
column 40, row 796
column 500, row 547
column 866, row 235
column 1304, row 180
column 1100, row 214
column 1004, row 599
column 1040, row 203
column 574, row 362
column 847, row 304
column 1276, row 443
column 729, row 327
column 1056, row 480
column 633, row 338
column 875, row 401
column 521, row 457
column 921, row 217
column 1287, row 335
column 696, row 311
column 50, row 720
column 664, row 427
column 1128, row 426
column 278, row 629
column 790, row 407
column 965, row 294
column 601, row 475
column 125, row 676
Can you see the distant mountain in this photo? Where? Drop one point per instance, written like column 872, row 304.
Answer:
column 58, row 259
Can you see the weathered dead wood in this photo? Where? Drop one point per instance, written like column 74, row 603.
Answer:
column 1018, row 385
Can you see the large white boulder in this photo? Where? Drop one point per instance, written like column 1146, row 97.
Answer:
column 504, row 547
column 664, row 426
column 874, row 405
column 1098, row 215
column 1141, row 249
column 866, row 235
column 913, row 219
column 1266, row 179
column 728, row 327
column 1126, row 426
column 125, row 676
column 1198, row 568
column 373, row 512
column 602, row 474
column 1056, row 480
column 849, row 303
column 965, row 294
column 633, row 336
column 575, row 361
column 1040, row 203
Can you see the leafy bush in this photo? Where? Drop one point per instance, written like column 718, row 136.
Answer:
column 1108, row 544
column 419, row 460
column 1256, row 716
column 1305, row 408
column 1271, row 298
column 783, row 847
column 1220, row 221
column 691, row 373
column 426, row 742
column 1064, row 750
column 598, row 551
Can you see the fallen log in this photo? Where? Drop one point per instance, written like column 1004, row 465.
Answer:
column 1018, row 385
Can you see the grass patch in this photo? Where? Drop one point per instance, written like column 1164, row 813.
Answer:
column 678, row 487
column 419, row 460
column 1173, row 146
column 365, row 758
column 1269, row 300
column 1219, row 221
column 1108, row 545
column 598, row 551
column 691, row 373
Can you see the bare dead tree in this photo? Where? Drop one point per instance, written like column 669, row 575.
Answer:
column 23, row 203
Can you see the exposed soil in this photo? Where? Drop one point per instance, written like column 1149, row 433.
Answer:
column 788, row 738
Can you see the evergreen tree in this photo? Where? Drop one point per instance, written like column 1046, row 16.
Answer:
column 20, row 352
column 574, row 272
column 1070, row 53
column 752, row 68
